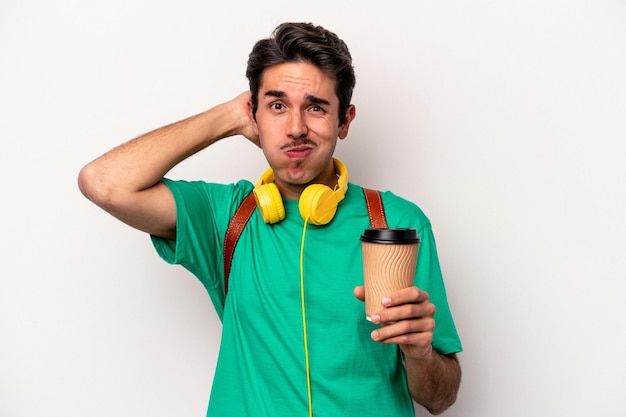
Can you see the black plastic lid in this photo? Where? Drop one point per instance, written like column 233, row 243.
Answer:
column 390, row 236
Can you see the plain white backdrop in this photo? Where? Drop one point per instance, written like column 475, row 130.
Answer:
column 505, row 121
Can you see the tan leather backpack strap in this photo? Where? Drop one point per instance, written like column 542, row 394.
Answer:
column 375, row 208
column 235, row 227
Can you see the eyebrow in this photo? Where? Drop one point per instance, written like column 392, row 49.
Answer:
column 313, row 99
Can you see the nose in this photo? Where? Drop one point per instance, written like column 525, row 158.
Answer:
column 296, row 126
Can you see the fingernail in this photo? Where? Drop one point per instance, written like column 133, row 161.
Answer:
column 375, row 318
column 375, row 335
column 386, row 301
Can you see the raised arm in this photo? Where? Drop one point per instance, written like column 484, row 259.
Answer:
column 126, row 181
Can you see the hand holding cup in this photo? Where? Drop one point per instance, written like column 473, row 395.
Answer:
column 389, row 260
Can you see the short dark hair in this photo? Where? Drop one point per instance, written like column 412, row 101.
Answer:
column 304, row 42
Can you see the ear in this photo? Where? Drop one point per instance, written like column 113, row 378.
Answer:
column 345, row 126
column 255, row 128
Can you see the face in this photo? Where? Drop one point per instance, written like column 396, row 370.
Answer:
column 297, row 121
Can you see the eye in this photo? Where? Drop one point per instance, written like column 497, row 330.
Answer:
column 317, row 109
column 276, row 106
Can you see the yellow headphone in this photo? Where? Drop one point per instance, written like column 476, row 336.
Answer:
column 317, row 204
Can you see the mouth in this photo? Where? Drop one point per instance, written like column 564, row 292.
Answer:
column 299, row 151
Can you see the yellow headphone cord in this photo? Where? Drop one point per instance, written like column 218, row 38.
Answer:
column 306, row 342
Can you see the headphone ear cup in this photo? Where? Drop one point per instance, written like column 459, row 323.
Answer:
column 318, row 204
column 269, row 202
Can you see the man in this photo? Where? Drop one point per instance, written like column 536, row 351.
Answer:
column 294, row 339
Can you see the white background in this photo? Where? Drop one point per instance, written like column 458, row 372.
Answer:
column 505, row 121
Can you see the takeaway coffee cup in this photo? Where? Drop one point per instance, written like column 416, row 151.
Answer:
column 389, row 259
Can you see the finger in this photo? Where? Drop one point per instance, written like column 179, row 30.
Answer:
column 405, row 296
column 405, row 312
column 419, row 341
column 417, row 332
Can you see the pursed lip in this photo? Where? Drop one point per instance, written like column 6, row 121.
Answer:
column 299, row 150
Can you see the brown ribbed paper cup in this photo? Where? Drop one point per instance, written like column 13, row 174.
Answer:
column 389, row 259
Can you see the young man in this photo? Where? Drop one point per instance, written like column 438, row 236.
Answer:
column 295, row 338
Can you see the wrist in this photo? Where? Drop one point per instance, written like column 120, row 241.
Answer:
column 420, row 354
column 221, row 122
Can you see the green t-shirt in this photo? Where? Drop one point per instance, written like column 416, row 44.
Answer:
column 261, row 366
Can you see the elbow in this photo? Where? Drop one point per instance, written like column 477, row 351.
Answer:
column 86, row 181
column 92, row 185
column 441, row 407
column 437, row 406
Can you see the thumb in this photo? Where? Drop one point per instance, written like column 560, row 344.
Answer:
column 359, row 292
